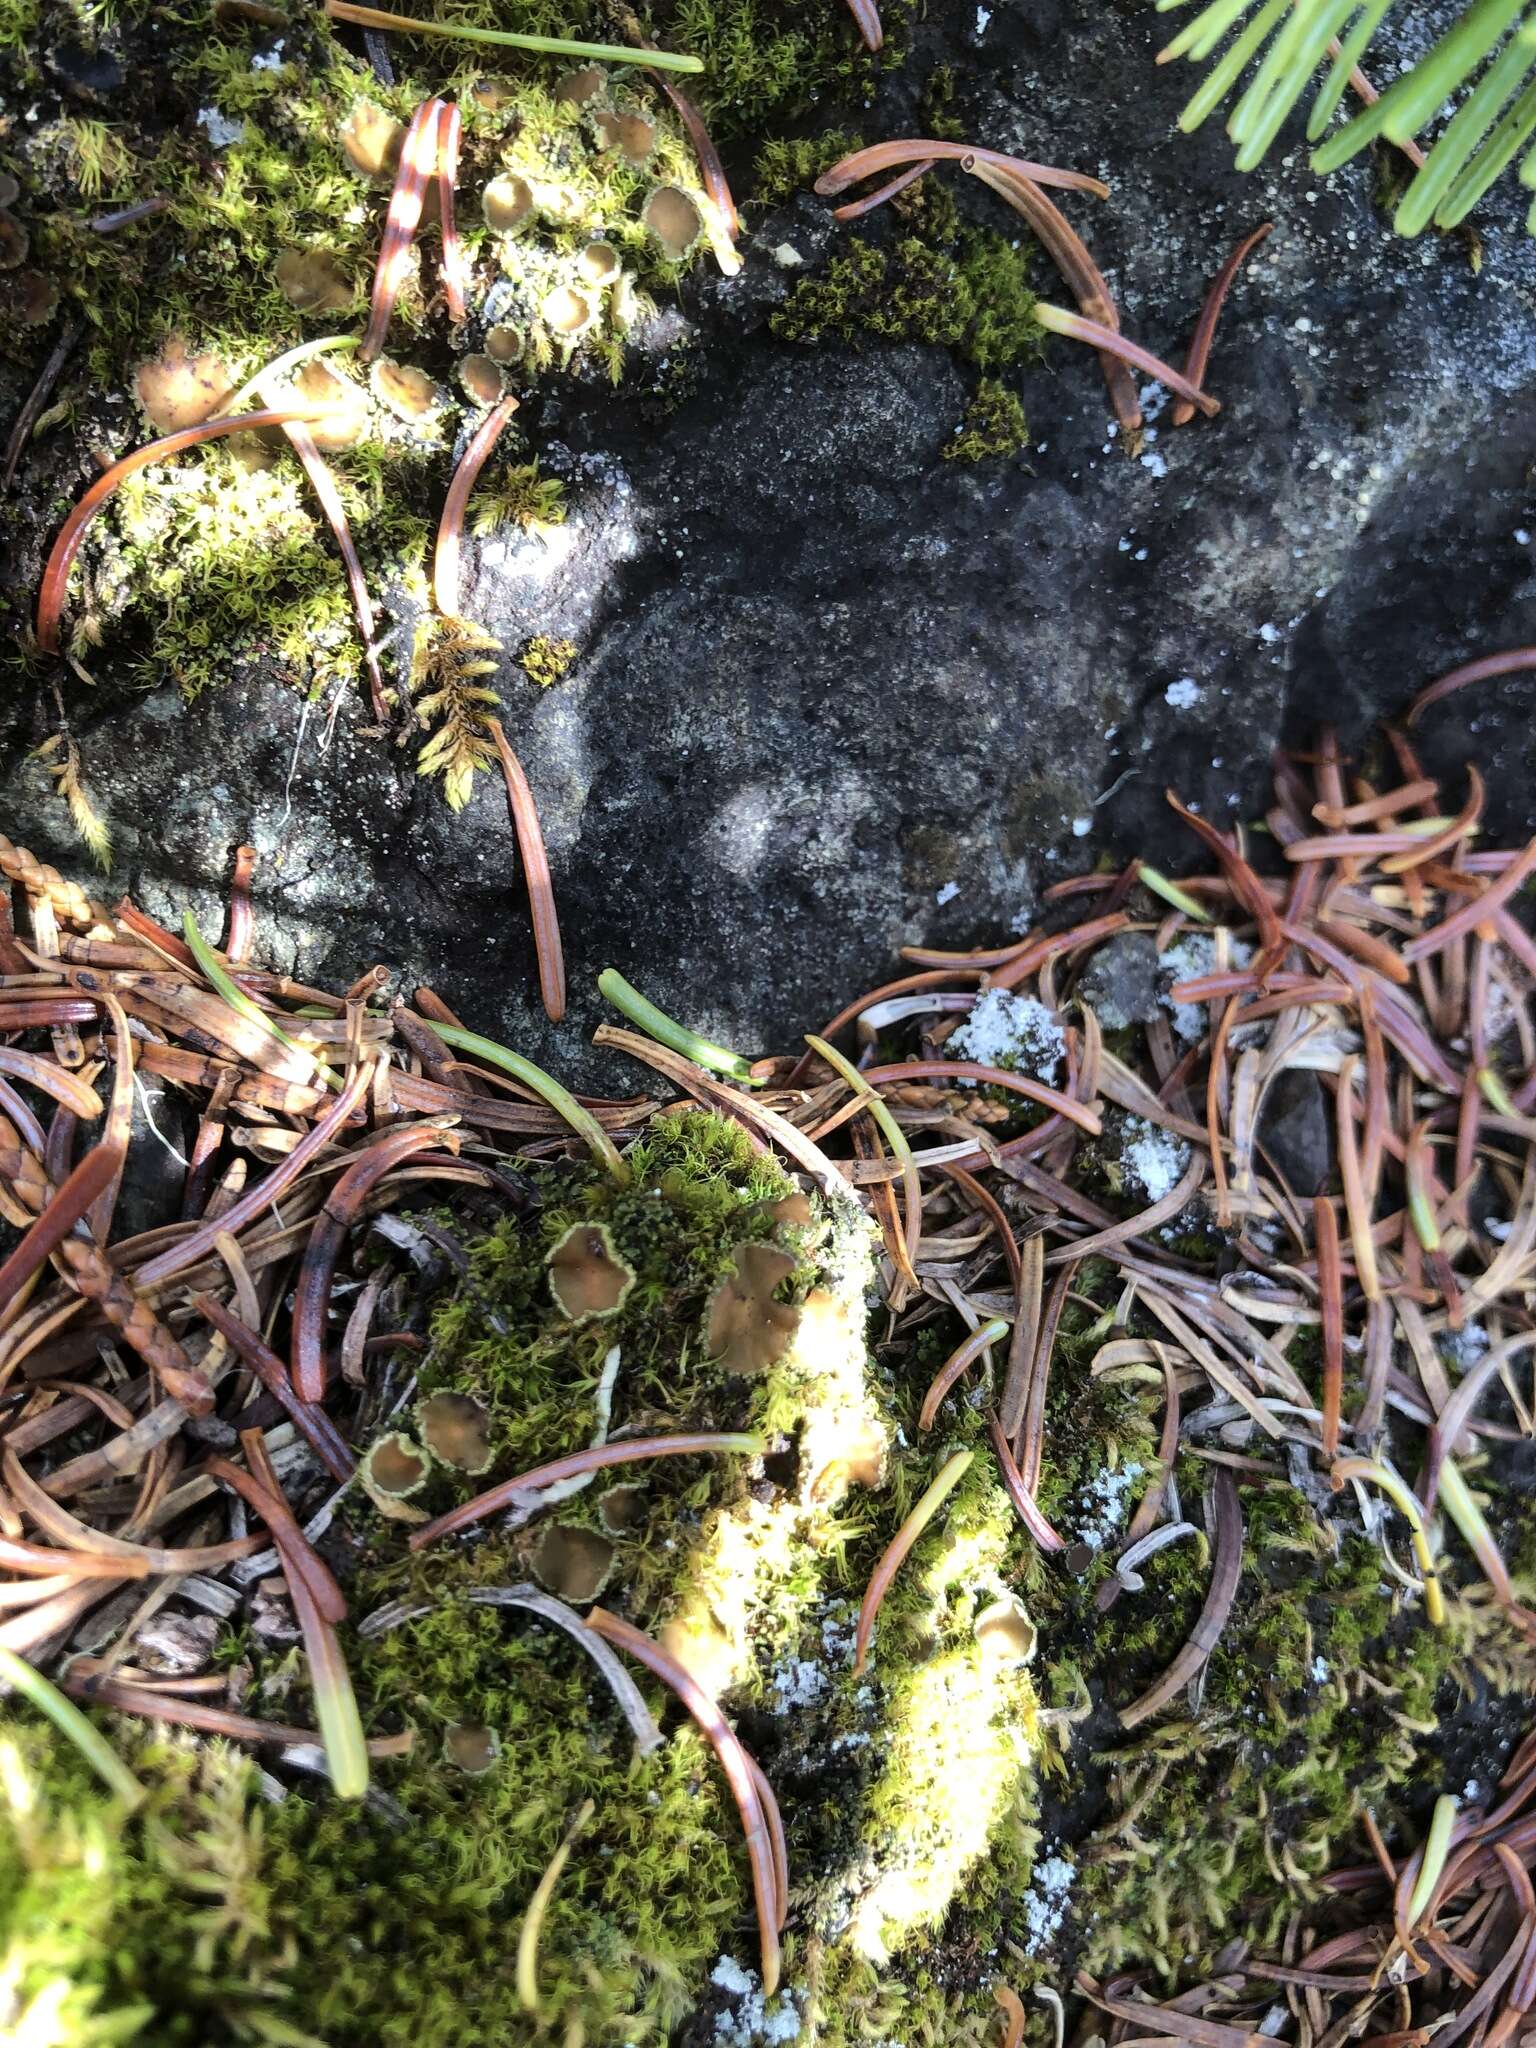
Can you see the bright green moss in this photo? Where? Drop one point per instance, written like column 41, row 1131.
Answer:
column 407, row 1923
column 547, row 660
column 518, row 496
column 789, row 165
column 1003, row 329
column 994, row 425
column 698, row 1190
column 161, row 1927
column 905, row 293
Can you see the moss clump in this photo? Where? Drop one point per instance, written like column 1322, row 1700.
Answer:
column 971, row 296
column 1317, row 1704
column 160, row 1926
column 520, row 496
column 547, row 660
column 767, row 60
column 905, row 1792
column 224, row 562
column 407, row 1920
column 230, row 559
column 994, row 425
column 955, row 1787
column 789, row 165
column 908, row 292
column 939, row 94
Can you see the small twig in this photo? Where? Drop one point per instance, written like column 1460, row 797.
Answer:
column 36, row 399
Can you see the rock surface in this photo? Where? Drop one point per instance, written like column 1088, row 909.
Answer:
column 833, row 693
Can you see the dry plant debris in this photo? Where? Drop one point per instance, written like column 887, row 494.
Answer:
column 152, row 1384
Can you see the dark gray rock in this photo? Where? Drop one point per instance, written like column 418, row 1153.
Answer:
column 1120, row 981
column 1296, row 1130
column 833, row 693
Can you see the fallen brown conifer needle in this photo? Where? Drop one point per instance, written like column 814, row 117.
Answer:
column 541, row 889
column 1183, row 411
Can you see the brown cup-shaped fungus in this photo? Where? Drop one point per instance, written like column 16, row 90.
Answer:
column 313, row 281
column 409, row 393
column 793, row 1212
column 456, row 1429
column 14, row 241
column 346, row 414
column 599, row 264
column 567, row 312
column 1005, row 1634
column 745, row 1329
column 586, row 1275
column 672, row 216
column 481, row 381
column 471, row 1748
column 575, row 88
column 371, row 139
column 395, row 1467
column 176, row 390
column 507, row 204
column 504, row 344
column 572, row 1563
column 31, row 298
column 622, row 1509
column 636, row 136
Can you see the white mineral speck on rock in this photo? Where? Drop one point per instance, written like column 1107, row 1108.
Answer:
column 1464, row 1347
column 1003, row 1029
column 1103, row 1504
column 1183, row 695
column 1045, row 1903
column 1081, row 827
column 750, row 2022
column 947, row 894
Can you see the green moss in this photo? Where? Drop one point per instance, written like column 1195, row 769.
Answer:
column 972, row 298
column 520, row 496
column 407, row 1922
column 789, row 165
column 1316, row 1704
column 546, row 660
column 994, row 425
column 162, row 1926
column 223, row 567
column 18, row 25
column 905, row 293
column 939, row 117
column 767, row 60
